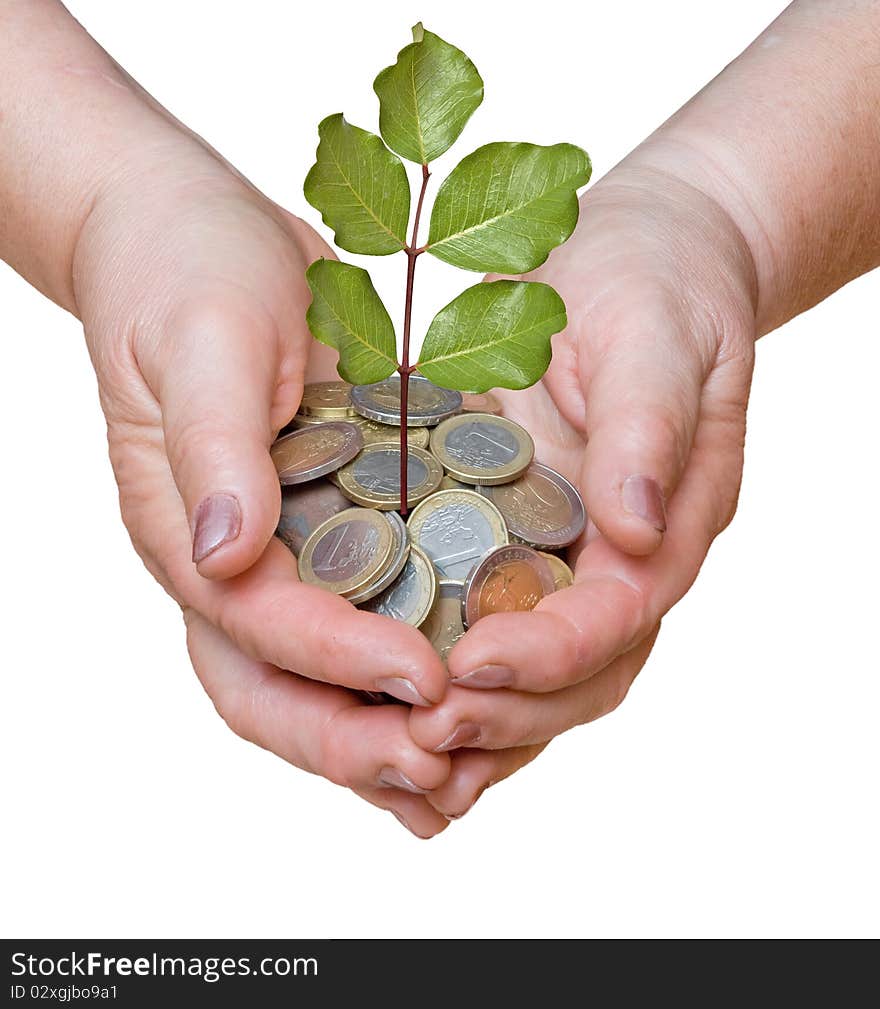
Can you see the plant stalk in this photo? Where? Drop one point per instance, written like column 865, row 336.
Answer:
column 405, row 369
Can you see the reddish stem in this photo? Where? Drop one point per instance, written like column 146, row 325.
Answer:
column 405, row 369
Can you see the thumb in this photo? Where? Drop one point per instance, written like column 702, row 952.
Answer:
column 216, row 389
column 642, row 408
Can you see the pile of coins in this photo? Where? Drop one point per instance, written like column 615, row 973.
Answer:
column 484, row 516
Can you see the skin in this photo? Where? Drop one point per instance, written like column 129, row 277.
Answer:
column 758, row 199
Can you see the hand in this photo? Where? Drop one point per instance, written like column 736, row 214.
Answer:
column 191, row 288
column 643, row 408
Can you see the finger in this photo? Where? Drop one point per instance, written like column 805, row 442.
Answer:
column 616, row 598
column 215, row 379
column 473, row 771
column 642, row 406
column 320, row 728
column 499, row 719
column 412, row 811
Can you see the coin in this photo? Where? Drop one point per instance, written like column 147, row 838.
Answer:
column 373, row 479
column 304, row 508
column 399, row 554
column 443, row 627
column 455, row 529
column 447, row 483
column 509, row 579
column 541, row 507
column 374, row 432
column 427, row 403
column 330, row 400
column 347, row 552
column 483, row 449
column 411, row 597
column 301, row 420
column 563, row 576
column 480, row 402
column 315, row 451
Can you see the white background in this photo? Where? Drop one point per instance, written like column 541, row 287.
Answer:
column 734, row 793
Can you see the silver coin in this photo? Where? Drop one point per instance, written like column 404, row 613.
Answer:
column 541, row 508
column 314, row 451
column 304, row 508
column 427, row 403
column 456, row 529
column 411, row 597
column 399, row 555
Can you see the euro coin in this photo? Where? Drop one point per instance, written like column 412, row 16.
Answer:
column 480, row 402
column 329, row 400
column 427, row 404
column 455, row 528
column 411, row 597
column 443, row 627
column 563, row 576
column 348, row 552
column 315, row 451
column 373, row 478
column 509, row 579
column 396, row 560
column 479, row 448
column 374, row 432
column 540, row 508
column 304, row 508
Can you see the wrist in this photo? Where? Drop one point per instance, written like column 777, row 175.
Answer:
column 72, row 120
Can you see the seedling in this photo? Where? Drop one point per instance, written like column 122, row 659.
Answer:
column 502, row 209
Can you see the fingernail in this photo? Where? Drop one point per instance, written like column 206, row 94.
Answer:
column 392, row 778
column 403, row 690
column 462, row 735
column 486, row 677
column 402, row 821
column 217, row 521
column 641, row 496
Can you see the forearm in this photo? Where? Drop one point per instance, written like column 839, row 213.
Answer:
column 787, row 140
column 71, row 122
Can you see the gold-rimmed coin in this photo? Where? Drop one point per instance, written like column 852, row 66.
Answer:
column 455, row 528
column 480, row 448
column 396, row 560
column 448, row 483
column 374, row 432
column 412, row 596
column 348, row 552
column 328, row 400
column 301, row 420
column 315, row 451
column 373, row 478
column 563, row 576
column 510, row 579
column 443, row 626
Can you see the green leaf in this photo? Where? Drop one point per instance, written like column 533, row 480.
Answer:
column 491, row 335
column 426, row 97
column 360, row 187
column 346, row 313
column 504, row 207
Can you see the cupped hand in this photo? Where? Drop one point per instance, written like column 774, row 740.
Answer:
column 643, row 408
column 191, row 288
